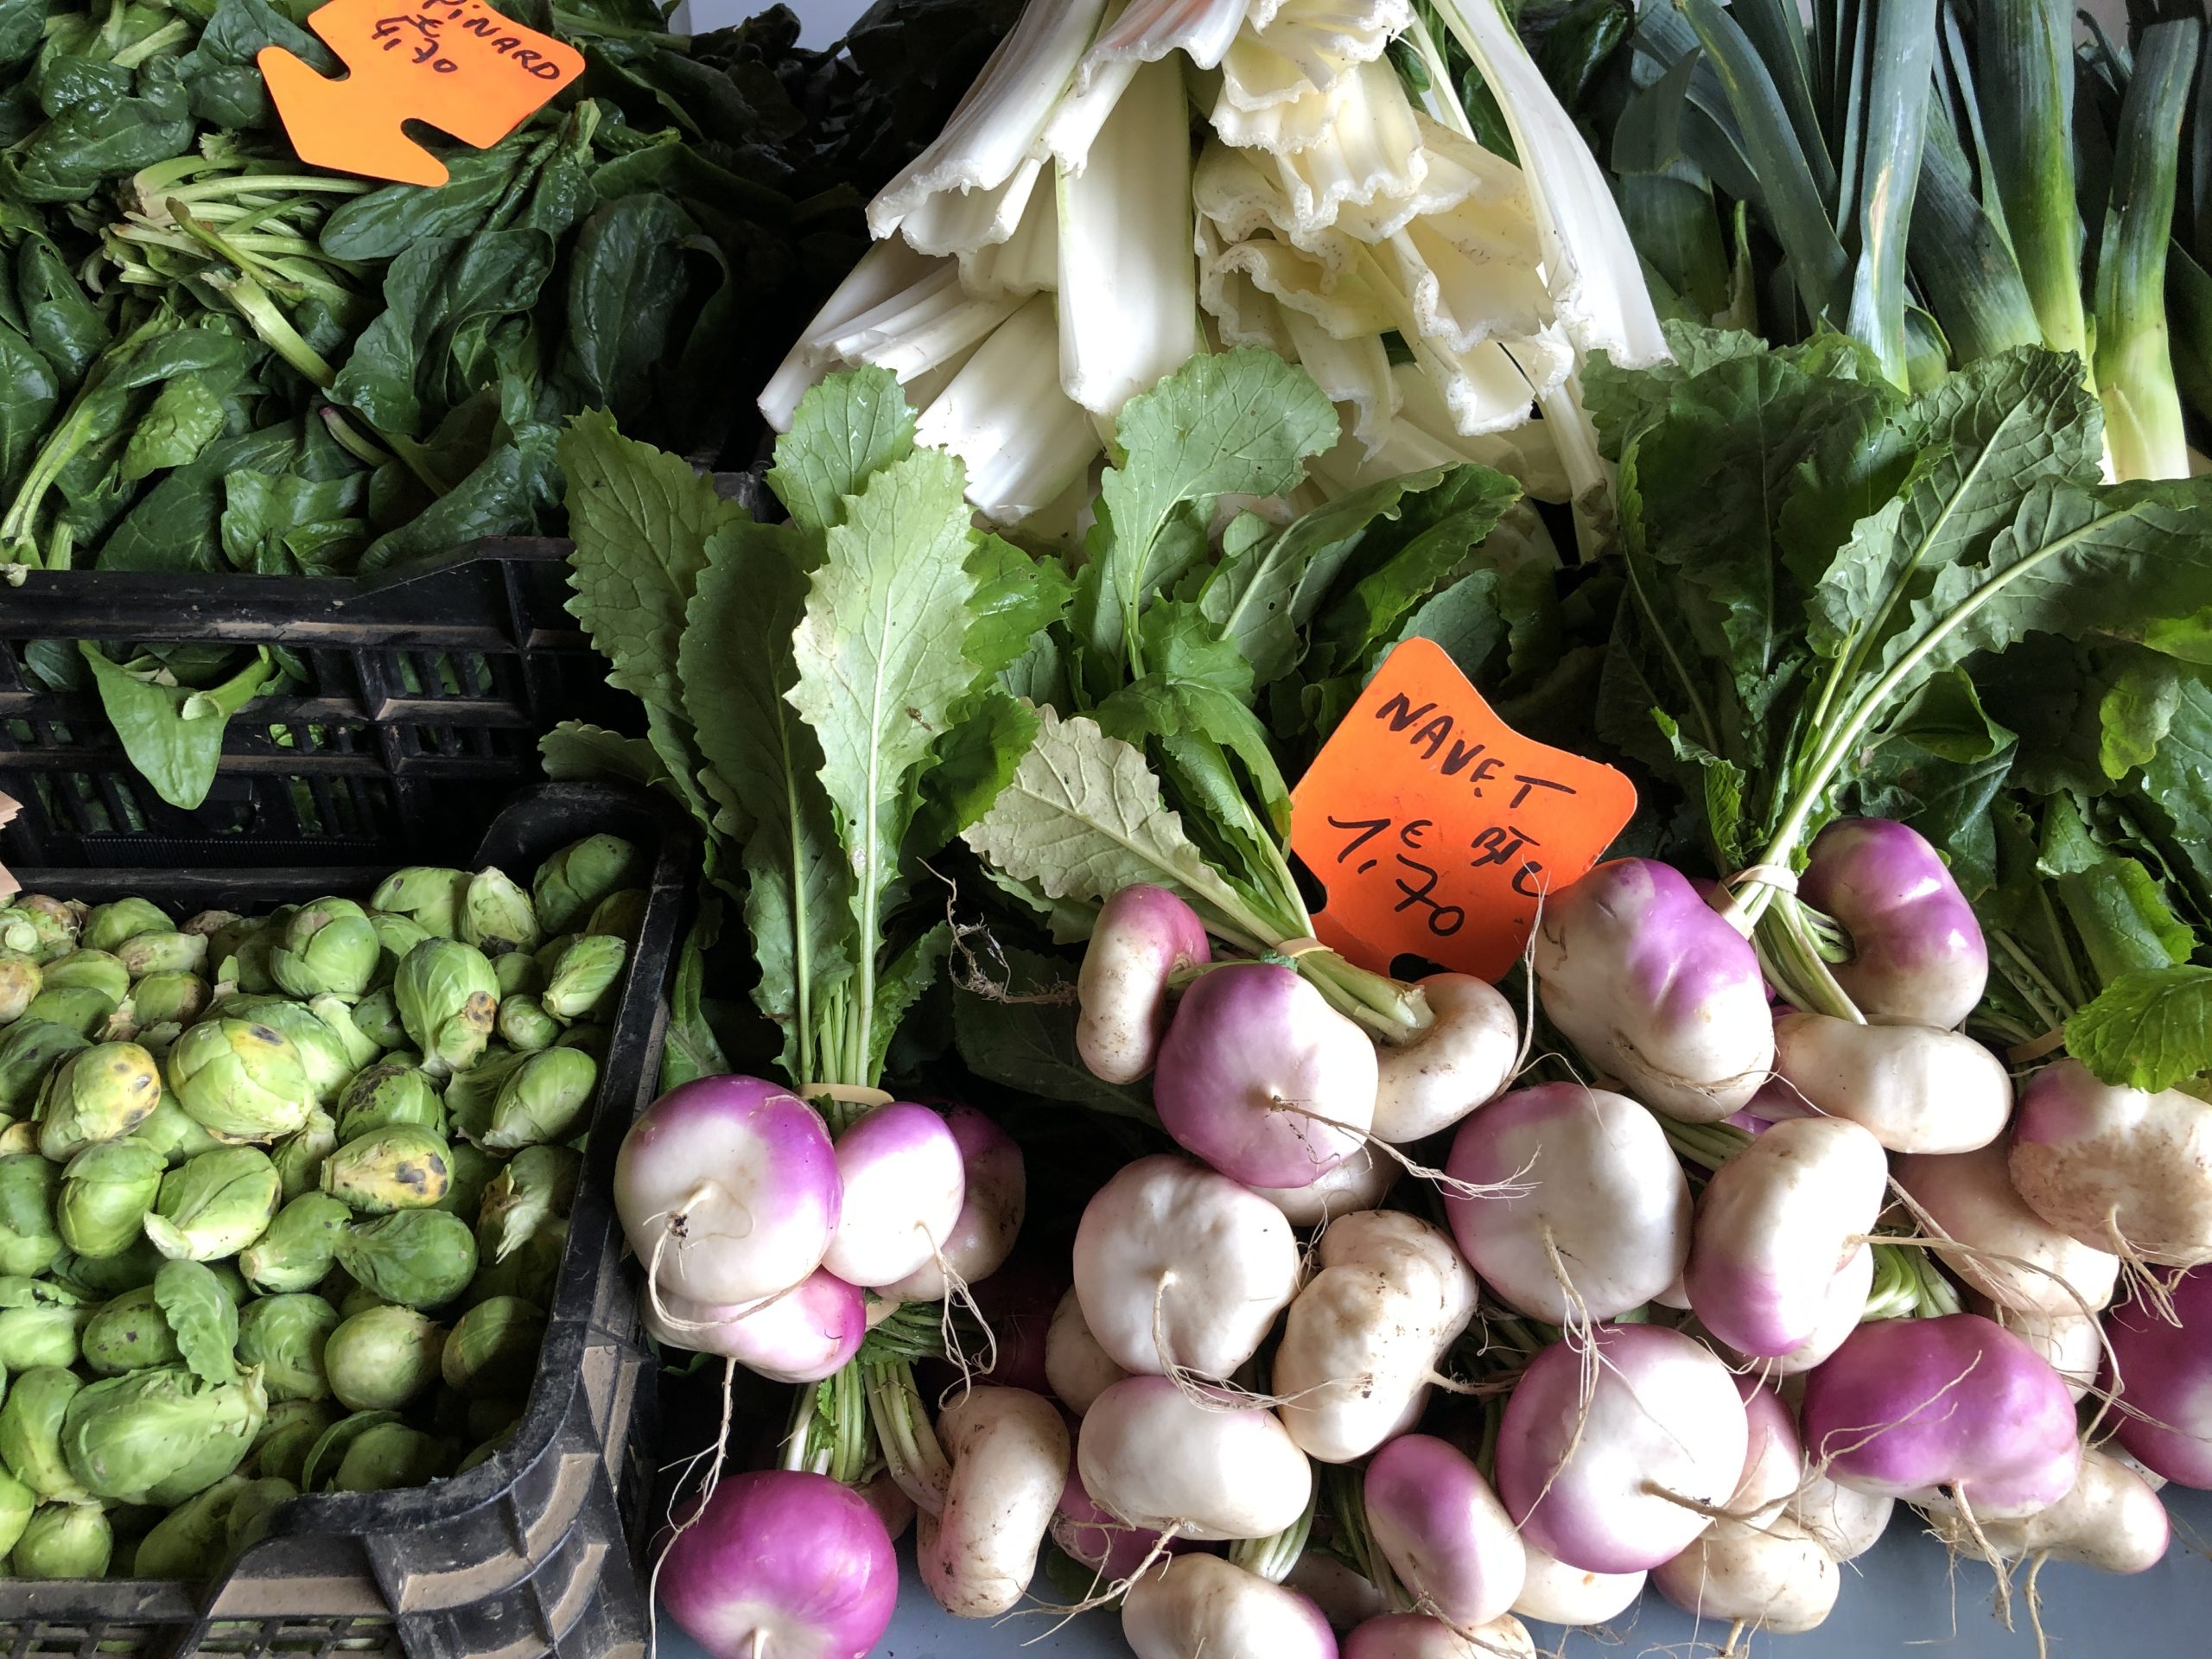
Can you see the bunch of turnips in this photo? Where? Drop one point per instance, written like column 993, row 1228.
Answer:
column 283, row 1198
column 1398, row 1338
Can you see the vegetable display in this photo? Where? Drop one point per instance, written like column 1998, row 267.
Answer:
column 218, row 1295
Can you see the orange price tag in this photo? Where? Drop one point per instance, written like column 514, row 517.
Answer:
column 461, row 66
column 1436, row 828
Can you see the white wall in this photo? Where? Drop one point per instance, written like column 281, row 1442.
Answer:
column 822, row 20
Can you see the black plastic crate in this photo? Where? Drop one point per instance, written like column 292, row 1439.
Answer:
column 427, row 692
column 539, row 1550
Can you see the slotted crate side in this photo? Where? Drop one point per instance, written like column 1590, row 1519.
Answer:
column 426, row 696
column 537, row 1550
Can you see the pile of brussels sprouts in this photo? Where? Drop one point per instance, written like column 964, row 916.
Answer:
column 283, row 1198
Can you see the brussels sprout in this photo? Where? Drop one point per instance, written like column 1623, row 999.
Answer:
column 40, row 927
column 538, row 1183
column 473, row 1172
column 550, row 953
column 173, row 998
column 398, row 1167
column 428, row 896
column 231, row 1281
column 418, row 1258
column 387, row 1095
column 360, row 1048
column 569, row 884
column 238, row 953
column 519, row 974
column 448, row 997
column 16, row 1502
column 208, row 922
column 64, row 1540
column 291, row 1433
column 621, row 914
column 30, row 1432
column 29, row 1243
column 240, row 1080
column 531, row 1272
column 172, row 1132
column 525, row 1026
column 486, row 1451
column 586, row 981
column 592, row 1037
column 299, row 1156
column 20, row 983
column 328, row 947
column 470, row 1094
column 105, row 1192
column 17, row 1137
column 360, row 1298
column 157, row 1436
column 382, row 1359
column 285, row 1336
column 299, row 1248
column 324, row 1057
column 29, row 1050
column 493, row 1349
column 101, row 1277
column 193, row 1539
column 109, row 925
column 44, row 1334
column 92, row 971
column 185, row 1316
column 225, row 930
column 496, row 916
column 100, row 1093
column 163, row 953
column 376, row 1016
column 543, row 1099
column 215, row 1204
column 396, row 937
column 79, row 1008
column 250, row 1511
column 391, row 1455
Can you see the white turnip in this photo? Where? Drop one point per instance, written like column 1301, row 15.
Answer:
column 728, row 1190
column 779, row 1565
column 1078, row 1370
column 1363, row 1337
column 904, row 1187
column 1955, row 1407
column 1260, row 1077
column 994, row 1201
column 1176, row 1265
column 1200, row 1605
column 1157, row 1458
column 1655, row 989
column 1417, row 1635
column 1461, row 1059
column 1602, row 1223
column 1918, row 1090
column 1776, row 1577
column 1918, row 955
column 2013, row 1256
column 2113, row 1520
column 1842, row 1306
column 1622, row 1478
column 2119, row 1169
column 1847, row 1523
column 1009, row 1454
column 1555, row 1593
column 803, row 1336
column 1361, row 1182
column 1142, row 936
column 1776, row 1224
column 1444, row 1532
column 1110, row 1547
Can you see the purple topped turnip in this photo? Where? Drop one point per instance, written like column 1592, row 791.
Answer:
column 1143, row 936
column 1917, row 956
column 2165, row 1382
column 904, row 1184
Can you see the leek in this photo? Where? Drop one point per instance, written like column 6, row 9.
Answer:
column 2026, row 79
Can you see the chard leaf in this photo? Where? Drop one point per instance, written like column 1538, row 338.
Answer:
column 1234, row 422
column 1084, row 817
column 203, row 1317
column 2149, row 1030
column 640, row 519
column 880, row 658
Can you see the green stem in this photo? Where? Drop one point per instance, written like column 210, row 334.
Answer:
column 1272, row 1557
column 1707, row 1145
column 161, row 39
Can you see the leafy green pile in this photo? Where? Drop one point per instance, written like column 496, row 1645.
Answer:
column 214, row 359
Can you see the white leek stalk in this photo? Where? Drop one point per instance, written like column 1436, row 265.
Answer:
column 1128, row 299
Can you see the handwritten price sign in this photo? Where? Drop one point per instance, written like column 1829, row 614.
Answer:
column 461, row 66
column 1437, row 829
